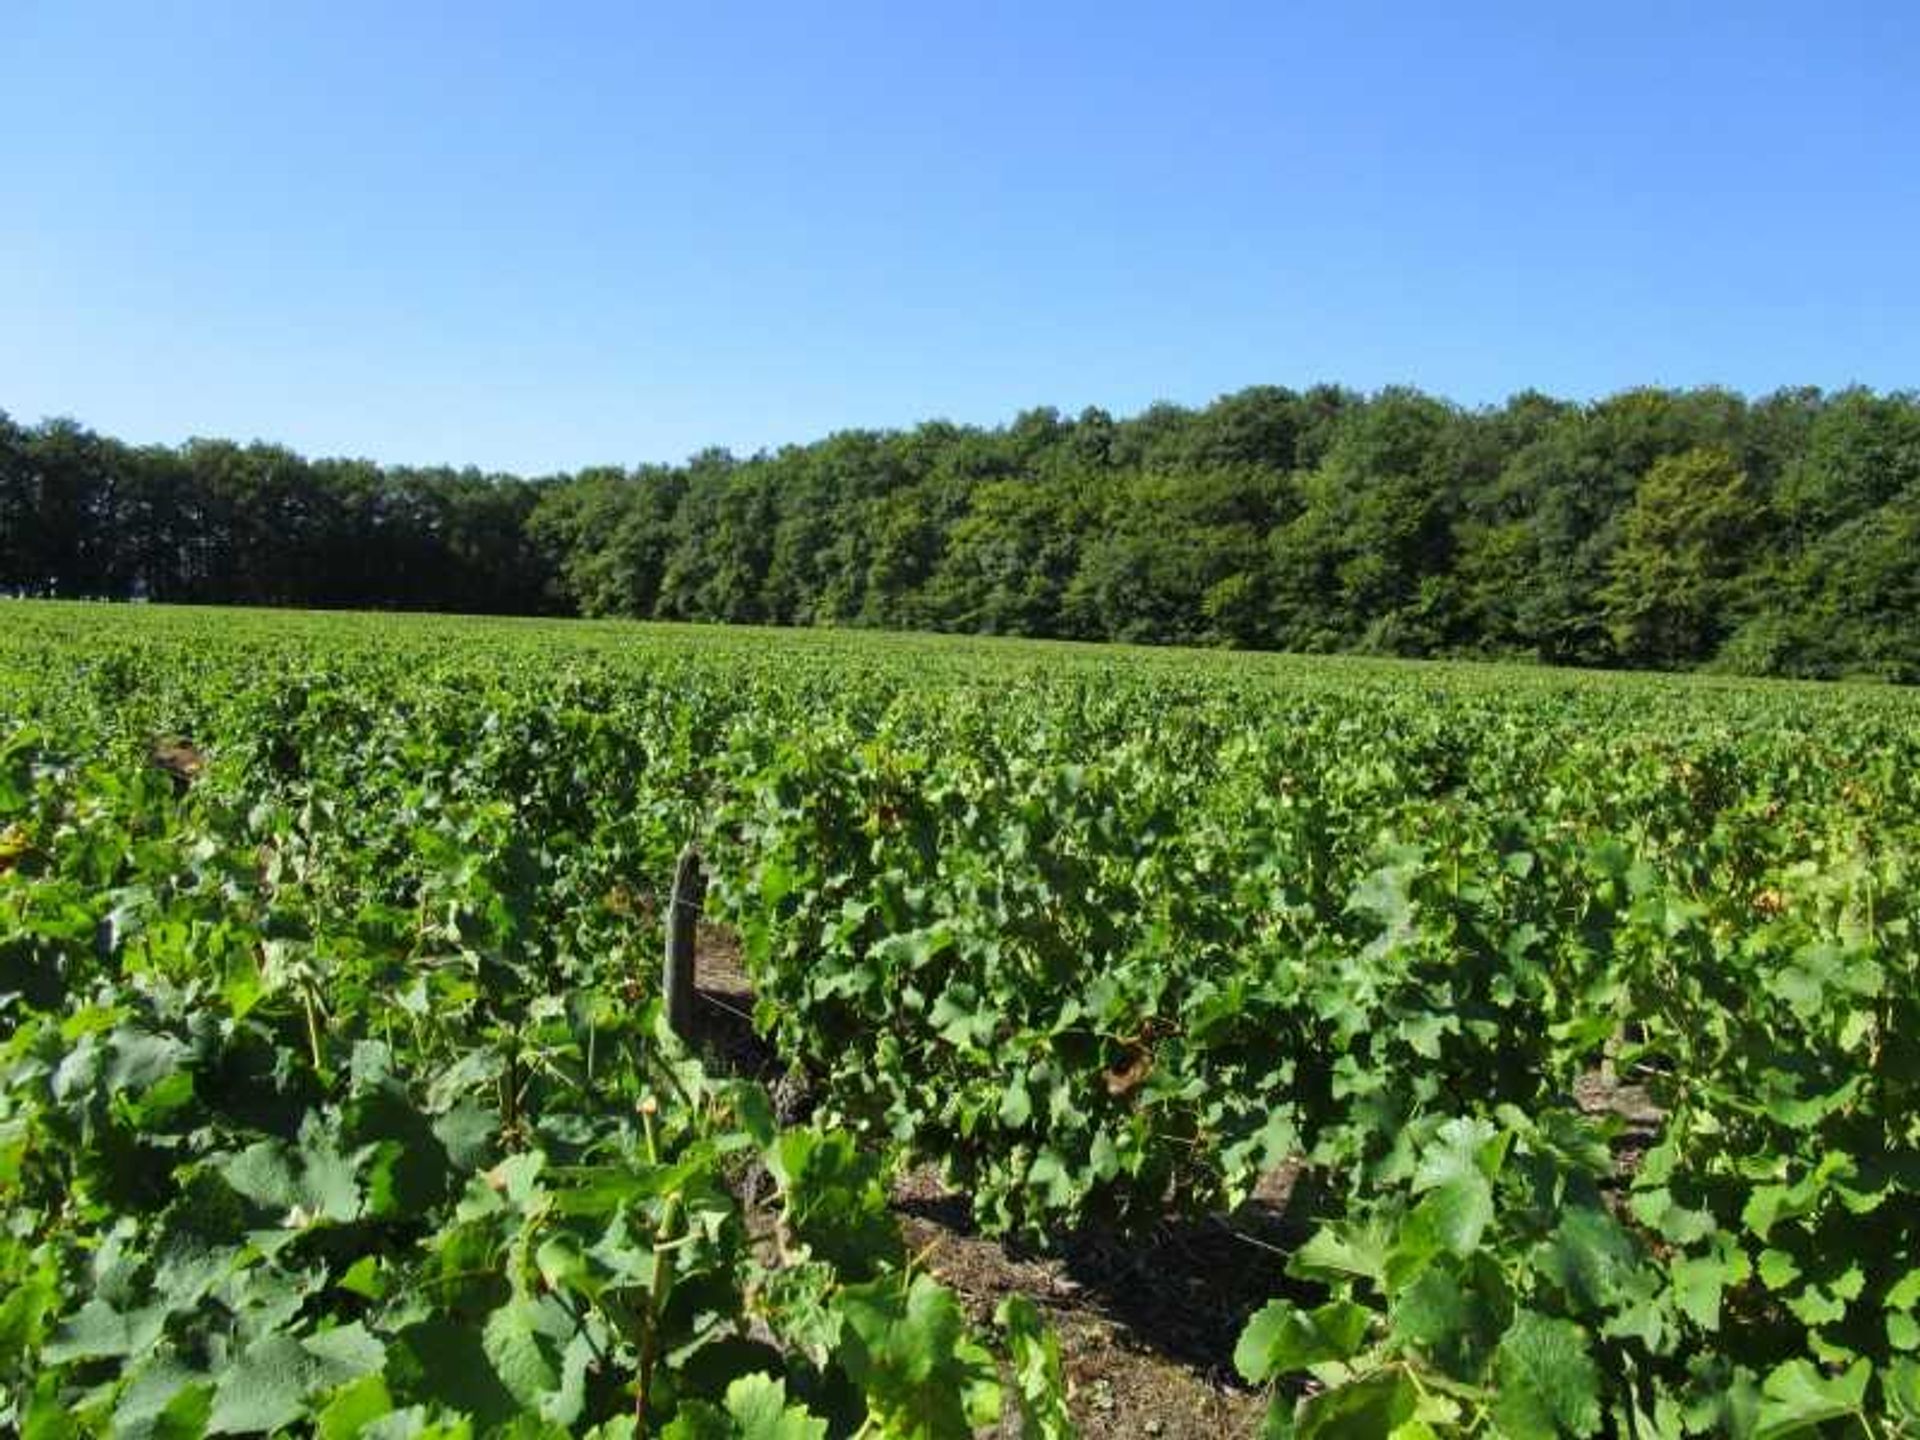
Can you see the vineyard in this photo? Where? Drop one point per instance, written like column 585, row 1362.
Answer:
column 1582, row 1012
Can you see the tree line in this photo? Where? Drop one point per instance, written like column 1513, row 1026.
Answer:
column 1654, row 528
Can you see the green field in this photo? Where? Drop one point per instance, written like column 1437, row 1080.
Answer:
column 332, row 1095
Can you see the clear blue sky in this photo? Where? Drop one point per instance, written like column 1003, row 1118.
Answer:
column 536, row 236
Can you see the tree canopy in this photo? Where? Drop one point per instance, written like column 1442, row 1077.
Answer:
column 1668, row 528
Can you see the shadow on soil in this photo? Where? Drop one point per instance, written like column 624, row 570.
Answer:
column 1182, row 1291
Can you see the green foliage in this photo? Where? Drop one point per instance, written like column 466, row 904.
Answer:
column 330, row 1092
column 1654, row 528
column 1684, row 540
column 1040, row 1385
column 329, row 1102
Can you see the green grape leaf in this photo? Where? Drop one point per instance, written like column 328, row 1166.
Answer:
column 756, row 1408
column 1040, row 1384
column 1455, row 1173
column 924, row 1378
column 1369, row 1408
column 1545, row 1382
column 1343, row 1250
column 1282, row 1338
column 1454, row 1319
column 97, row 1331
column 1699, row 1281
column 352, row 1407
column 1900, row 1383
column 265, row 1388
column 1796, row 1398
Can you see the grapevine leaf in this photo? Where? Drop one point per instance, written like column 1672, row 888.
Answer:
column 1040, row 1383
column 1281, row 1338
column 1370, row 1408
column 1698, row 1282
column 756, row 1409
column 265, row 1388
column 442, row 1361
column 100, row 1332
column 1545, row 1381
column 1590, row 1256
column 1342, row 1250
column 163, row 1384
column 1454, row 1319
column 352, row 1407
column 1456, row 1172
column 1900, row 1383
column 1796, row 1397
column 911, row 1355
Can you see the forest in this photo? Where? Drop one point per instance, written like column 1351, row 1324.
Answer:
column 1655, row 528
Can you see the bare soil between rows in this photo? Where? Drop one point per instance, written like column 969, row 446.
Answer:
column 1146, row 1324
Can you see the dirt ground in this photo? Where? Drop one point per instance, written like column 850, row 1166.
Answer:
column 1146, row 1331
column 1146, row 1325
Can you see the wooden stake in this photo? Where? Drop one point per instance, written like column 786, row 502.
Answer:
column 683, row 912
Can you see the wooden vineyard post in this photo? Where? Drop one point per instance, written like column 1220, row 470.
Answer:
column 683, row 912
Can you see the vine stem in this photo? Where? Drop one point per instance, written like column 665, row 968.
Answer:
column 313, row 1025
column 656, row 1306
